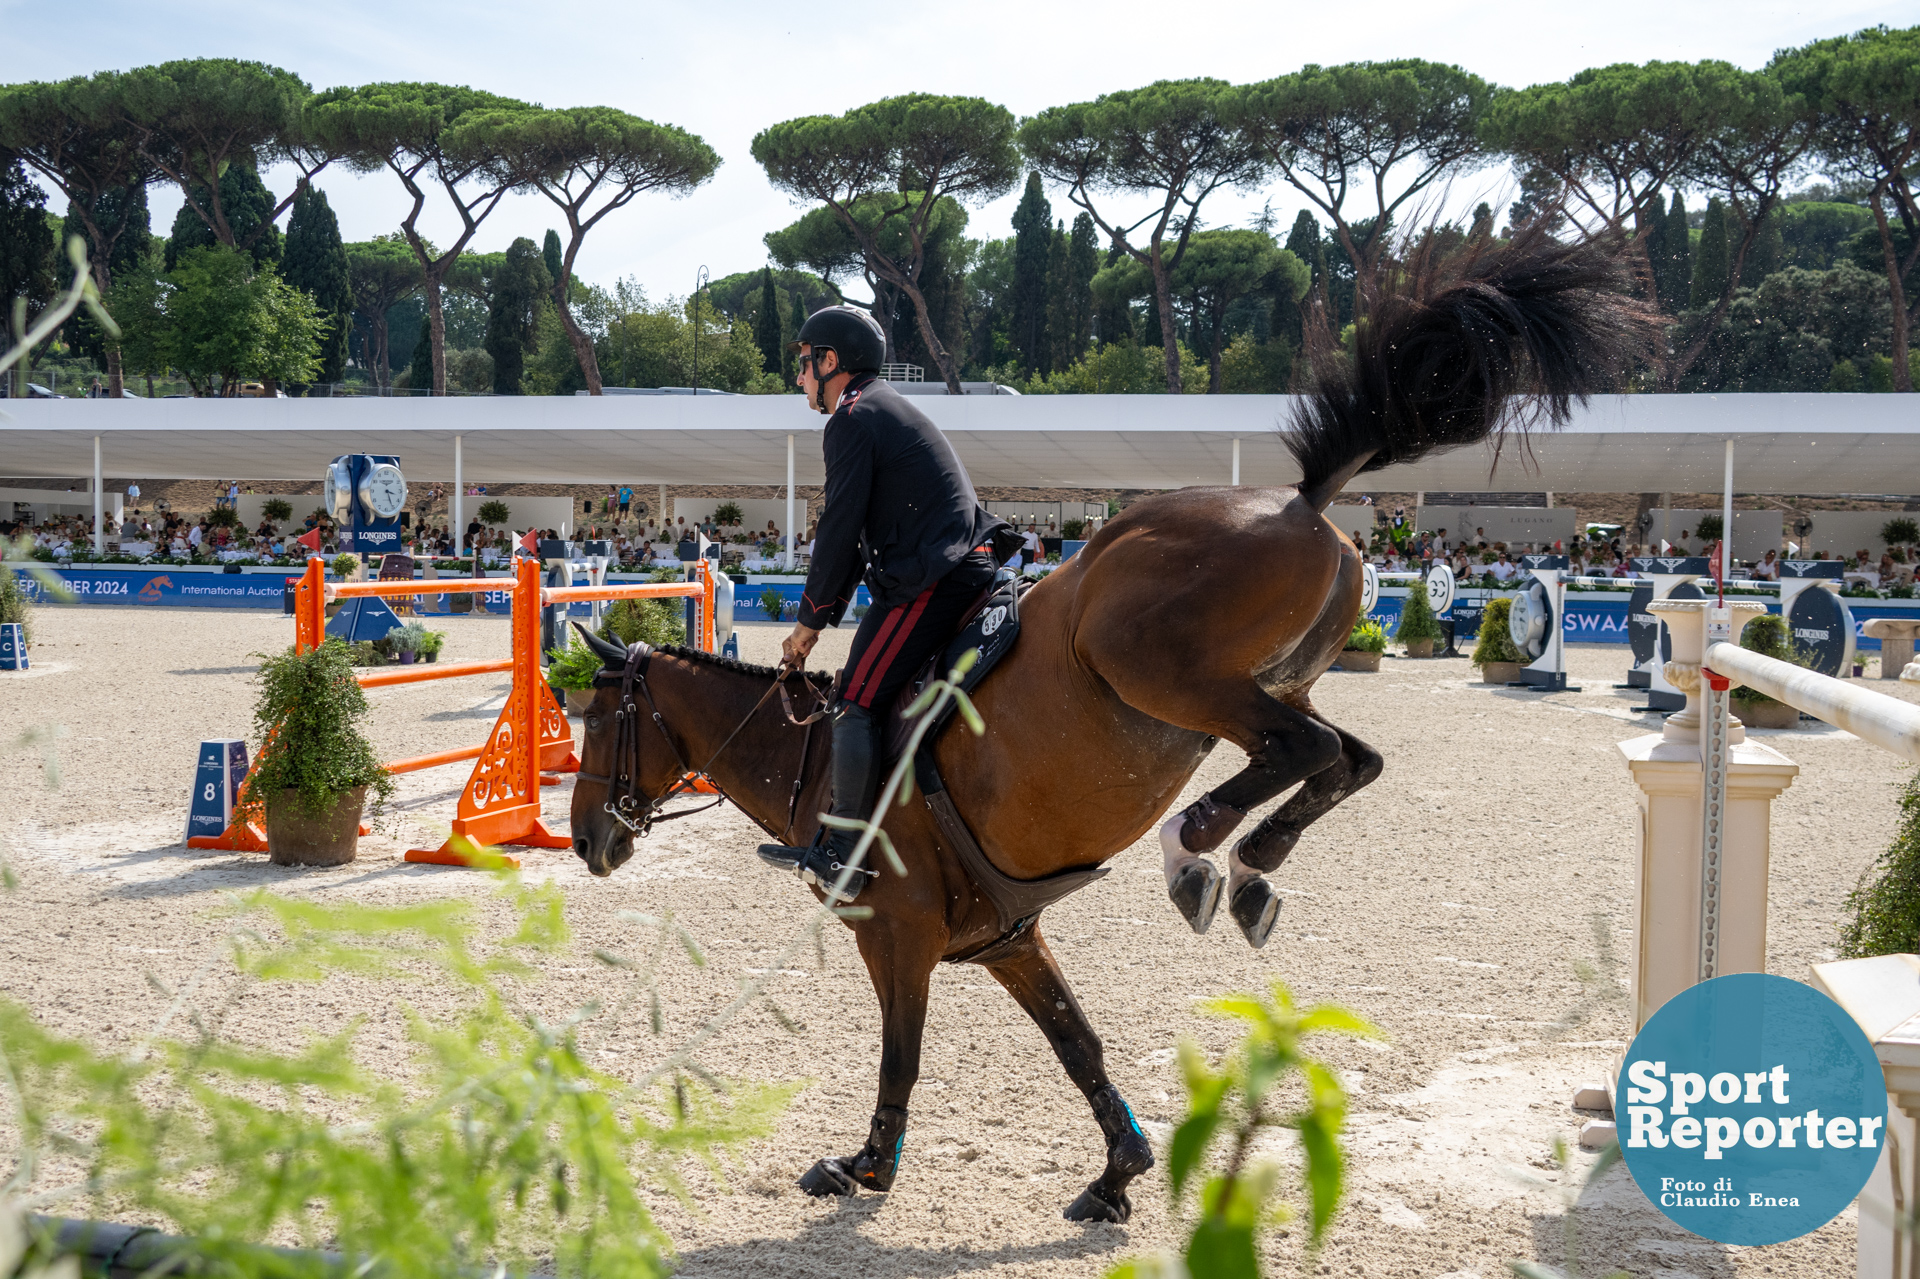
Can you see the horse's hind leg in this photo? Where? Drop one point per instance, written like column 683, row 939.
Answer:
column 1250, row 899
column 1284, row 746
column 1033, row 978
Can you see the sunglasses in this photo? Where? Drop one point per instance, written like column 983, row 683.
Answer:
column 811, row 360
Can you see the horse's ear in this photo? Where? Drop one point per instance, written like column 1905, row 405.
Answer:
column 612, row 653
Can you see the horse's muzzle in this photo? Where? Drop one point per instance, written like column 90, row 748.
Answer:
column 607, row 853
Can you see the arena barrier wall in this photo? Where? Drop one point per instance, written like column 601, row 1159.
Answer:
column 530, row 740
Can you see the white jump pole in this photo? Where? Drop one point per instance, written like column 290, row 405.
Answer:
column 99, row 518
column 790, row 538
column 1236, row 461
column 1726, row 520
column 459, row 491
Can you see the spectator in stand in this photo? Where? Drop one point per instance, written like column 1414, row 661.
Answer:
column 626, row 500
column 1503, row 569
column 197, row 534
column 1768, row 569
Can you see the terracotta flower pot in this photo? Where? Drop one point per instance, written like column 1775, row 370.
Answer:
column 331, row 839
column 1766, row 714
column 1499, row 672
column 578, row 699
column 1354, row 659
column 1420, row 648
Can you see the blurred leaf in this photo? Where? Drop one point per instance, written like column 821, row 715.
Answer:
column 1187, row 1148
column 1219, row 1250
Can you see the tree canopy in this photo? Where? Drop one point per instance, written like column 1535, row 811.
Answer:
column 589, row 161
column 1174, row 142
column 1331, row 130
column 918, row 150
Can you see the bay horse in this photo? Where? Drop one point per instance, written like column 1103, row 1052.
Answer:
column 1194, row 616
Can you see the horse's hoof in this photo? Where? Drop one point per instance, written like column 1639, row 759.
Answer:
column 828, row 1177
column 1255, row 907
column 1093, row 1205
column 1196, row 894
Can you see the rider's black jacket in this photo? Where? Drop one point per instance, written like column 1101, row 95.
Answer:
column 899, row 505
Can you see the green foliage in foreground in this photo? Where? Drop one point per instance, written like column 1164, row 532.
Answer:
column 497, row 1145
column 1236, row 1103
column 573, row 667
column 1883, row 910
column 1495, row 643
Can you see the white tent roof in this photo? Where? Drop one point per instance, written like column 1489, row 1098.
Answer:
column 1638, row 443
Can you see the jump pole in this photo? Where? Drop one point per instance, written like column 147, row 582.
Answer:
column 501, row 801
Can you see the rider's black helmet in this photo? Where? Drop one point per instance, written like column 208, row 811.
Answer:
column 853, row 334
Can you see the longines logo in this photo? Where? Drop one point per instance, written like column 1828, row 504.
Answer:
column 1671, row 562
column 1801, row 566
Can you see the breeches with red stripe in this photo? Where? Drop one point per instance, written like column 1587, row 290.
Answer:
column 893, row 644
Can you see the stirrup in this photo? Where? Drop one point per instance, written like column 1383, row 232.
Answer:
column 817, row 865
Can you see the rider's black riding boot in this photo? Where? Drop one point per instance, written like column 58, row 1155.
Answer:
column 856, row 778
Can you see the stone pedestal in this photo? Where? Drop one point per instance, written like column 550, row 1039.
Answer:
column 1882, row 995
column 1668, row 878
column 1896, row 636
column 1666, row 881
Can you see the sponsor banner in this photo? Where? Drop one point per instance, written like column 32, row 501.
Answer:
column 166, row 586
column 1587, row 619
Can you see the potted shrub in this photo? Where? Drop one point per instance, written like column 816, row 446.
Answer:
column 571, row 671
column 404, row 642
column 1494, row 653
column 658, row 622
column 1418, row 628
column 494, row 512
column 773, row 603
column 15, row 604
column 1365, row 643
column 316, row 768
column 367, row 653
column 431, row 642
column 1770, row 637
column 728, row 514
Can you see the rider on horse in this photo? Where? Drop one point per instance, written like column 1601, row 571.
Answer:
column 900, row 513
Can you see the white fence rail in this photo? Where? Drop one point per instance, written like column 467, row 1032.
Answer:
column 1887, row 722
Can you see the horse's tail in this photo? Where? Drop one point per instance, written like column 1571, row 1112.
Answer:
column 1446, row 352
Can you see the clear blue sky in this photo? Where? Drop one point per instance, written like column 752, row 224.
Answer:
column 725, row 71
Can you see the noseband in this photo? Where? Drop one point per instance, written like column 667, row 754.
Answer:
column 623, row 800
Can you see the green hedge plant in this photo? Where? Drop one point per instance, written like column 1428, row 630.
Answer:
column 344, row 566
column 15, row 604
column 307, row 719
column 573, row 667
column 1417, row 621
column 1768, row 636
column 1495, row 644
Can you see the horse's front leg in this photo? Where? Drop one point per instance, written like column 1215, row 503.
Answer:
column 900, row 962
column 1033, row 978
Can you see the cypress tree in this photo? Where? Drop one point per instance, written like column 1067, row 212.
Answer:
column 420, row 371
column 795, row 320
column 1032, row 243
column 1059, row 303
column 1482, row 227
column 513, row 314
column 1114, row 315
column 1289, row 316
column 1652, row 223
column 1677, row 280
column 1710, row 265
column 766, row 324
column 551, row 253
column 28, row 263
column 246, row 202
column 1767, row 254
column 1083, row 261
column 315, row 260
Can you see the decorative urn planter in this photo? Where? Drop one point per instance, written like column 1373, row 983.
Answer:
column 1354, row 659
column 1499, row 672
column 1420, row 648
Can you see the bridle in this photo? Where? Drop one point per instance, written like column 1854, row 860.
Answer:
column 623, row 801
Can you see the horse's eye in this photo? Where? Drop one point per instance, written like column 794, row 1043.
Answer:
column 593, row 723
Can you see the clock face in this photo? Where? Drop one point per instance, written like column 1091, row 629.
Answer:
column 384, row 490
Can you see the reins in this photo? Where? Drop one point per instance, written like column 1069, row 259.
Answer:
column 622, row 799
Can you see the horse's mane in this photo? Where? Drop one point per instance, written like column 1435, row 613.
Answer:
column 819, row 679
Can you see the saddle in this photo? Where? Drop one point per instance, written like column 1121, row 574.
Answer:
column 991, row 627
